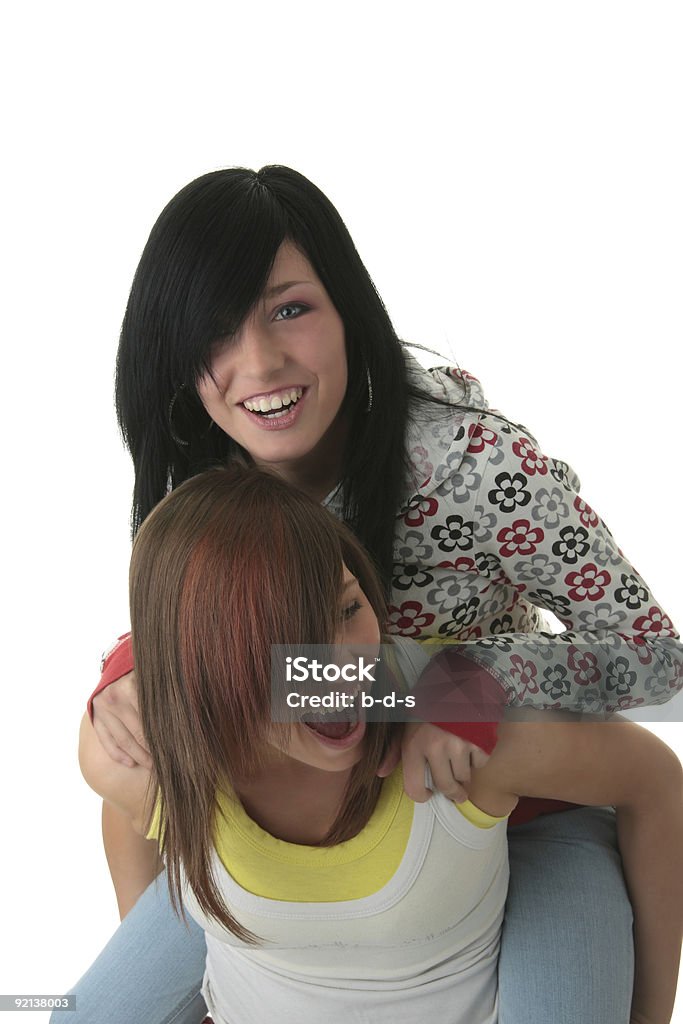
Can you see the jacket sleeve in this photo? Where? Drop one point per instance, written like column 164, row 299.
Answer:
column 536, row 536
column 116, row 662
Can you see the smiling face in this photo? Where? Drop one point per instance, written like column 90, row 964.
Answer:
column 277, row 386
column 358, row 629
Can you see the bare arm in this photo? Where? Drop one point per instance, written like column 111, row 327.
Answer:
column 621, row 764
column 134, row 861
column 127, row 789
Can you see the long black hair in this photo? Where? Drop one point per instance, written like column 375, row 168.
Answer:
column 204, row 266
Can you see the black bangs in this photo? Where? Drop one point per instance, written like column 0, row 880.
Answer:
column 205, row 265
column 211, row 252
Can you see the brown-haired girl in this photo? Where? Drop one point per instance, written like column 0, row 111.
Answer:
column 323, row 891
column 254, row 330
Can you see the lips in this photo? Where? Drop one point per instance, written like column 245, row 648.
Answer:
column 275, row 419
column 273, row 401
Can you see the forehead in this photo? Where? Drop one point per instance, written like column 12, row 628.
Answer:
column 347, row 577
column 290, row 264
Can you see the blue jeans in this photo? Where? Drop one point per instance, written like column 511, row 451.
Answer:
column 566, row 956
column 150, row 971
column 567, row 946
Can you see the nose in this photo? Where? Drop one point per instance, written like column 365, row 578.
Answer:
column 259, row 354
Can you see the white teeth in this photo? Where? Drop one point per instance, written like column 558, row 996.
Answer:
column 351, row 712
column 272, row 403
column 341, row 714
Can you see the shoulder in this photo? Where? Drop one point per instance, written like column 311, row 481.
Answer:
column 464, row 449
column 446, row 384
column 446, row 405
column 514, row 448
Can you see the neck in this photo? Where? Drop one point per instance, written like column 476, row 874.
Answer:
column 318, row 472
column 293, row 801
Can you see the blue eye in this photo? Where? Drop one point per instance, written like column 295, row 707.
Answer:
column 350, row 610
column 290, row 311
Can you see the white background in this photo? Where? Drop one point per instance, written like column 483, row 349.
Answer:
column 511, row 173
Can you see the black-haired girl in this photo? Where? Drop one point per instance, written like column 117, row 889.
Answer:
column 253, row 330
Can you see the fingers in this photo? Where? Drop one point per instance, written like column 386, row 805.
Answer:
column 121, row 693
column 451, row 776
column 452, row 768
column 478, row 757
column 109, row 744
column 414, row 775
column 117, row 723
column 123, row 745
column 450, row 759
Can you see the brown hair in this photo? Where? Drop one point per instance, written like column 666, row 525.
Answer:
column 231, row 562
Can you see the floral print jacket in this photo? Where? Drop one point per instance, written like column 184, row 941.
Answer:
column 491, row 531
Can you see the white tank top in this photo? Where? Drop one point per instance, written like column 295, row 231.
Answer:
column 422, row 948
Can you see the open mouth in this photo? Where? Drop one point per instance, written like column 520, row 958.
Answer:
column 338, row 735
column 276, row 405
column 332, row 730
column 335, row 727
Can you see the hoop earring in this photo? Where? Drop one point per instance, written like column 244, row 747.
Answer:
column 369, row 380
column 174, row 436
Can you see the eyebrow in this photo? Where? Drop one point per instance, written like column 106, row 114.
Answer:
column 277, row 289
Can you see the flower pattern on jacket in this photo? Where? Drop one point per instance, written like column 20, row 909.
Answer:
column 496, row 534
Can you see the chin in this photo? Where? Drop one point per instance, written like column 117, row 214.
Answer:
column 340, row 763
